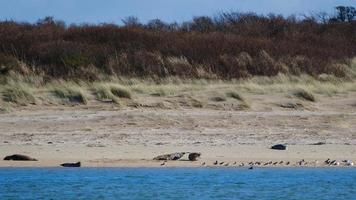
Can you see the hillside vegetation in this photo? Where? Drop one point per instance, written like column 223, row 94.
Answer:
column 227, row 46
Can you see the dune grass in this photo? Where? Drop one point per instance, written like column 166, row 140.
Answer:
column 244, row 105
column 235, row 95
column 196, row 103
column 110, row 92
column 304, row 94
column 159, row 93
column 5, row 110
column 24, row 91
column 19, row 94
column 120, row 91
column 71, row 94
column 218, row 98
column 103, row 93
column 287, row 84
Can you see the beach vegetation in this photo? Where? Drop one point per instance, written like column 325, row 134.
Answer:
column 18, row 94
column 70, row 93
column 304, row 94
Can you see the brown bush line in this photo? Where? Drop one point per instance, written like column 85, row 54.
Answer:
column 205, row 47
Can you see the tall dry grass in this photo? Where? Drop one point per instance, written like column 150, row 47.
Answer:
column 70, row 94
column 19, row 94
column 21, row 90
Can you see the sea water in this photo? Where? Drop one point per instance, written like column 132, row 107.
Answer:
column 177, row 183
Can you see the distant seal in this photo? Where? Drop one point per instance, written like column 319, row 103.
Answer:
column 77, row 164
column 172, row 156
column 19, row 157
column 194, row 156
column 334, row 162
column 279, row 147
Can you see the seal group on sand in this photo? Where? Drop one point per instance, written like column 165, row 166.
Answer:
column 192, row 156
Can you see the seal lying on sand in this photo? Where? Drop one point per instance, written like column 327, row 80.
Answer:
column 279, row 147
column 178, row 156
column 172, row 156
column 194, row 156
column 77, row 164
column 19, row 157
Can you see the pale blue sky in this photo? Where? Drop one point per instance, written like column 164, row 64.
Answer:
column 96, row 11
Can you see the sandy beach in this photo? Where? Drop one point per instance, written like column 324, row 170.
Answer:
column 102, row 135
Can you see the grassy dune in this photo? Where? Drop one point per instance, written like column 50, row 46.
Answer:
column 200, row 93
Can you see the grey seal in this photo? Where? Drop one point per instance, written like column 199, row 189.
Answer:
column 19, row 157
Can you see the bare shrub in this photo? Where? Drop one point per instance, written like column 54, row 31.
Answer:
column 179, row 66
column 148, row 64
column 265, row 65
column 236, row 67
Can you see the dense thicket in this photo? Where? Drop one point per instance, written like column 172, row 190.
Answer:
column 231, row 45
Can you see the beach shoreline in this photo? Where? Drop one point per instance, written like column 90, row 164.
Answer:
column 140, row 156
column 102, row 135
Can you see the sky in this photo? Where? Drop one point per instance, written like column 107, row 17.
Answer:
column 113, row 11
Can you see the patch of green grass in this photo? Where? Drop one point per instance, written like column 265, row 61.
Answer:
column 235, row 95
column 304, row 94
column 70, row 93
column 159, row 93
column 103, row 93
column 196, row 103
column 5, row 108
column 244, row 105
column 19, row 94
column 120, row 91
column 218, row 99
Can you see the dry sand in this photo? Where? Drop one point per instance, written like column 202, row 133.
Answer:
column 101, row 135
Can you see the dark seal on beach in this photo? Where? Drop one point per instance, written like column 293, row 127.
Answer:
column 279, row 147
column 77, row 164
column 19, row 157
column 194, row 156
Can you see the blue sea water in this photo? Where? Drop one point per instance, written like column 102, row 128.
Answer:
column 177, row 183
